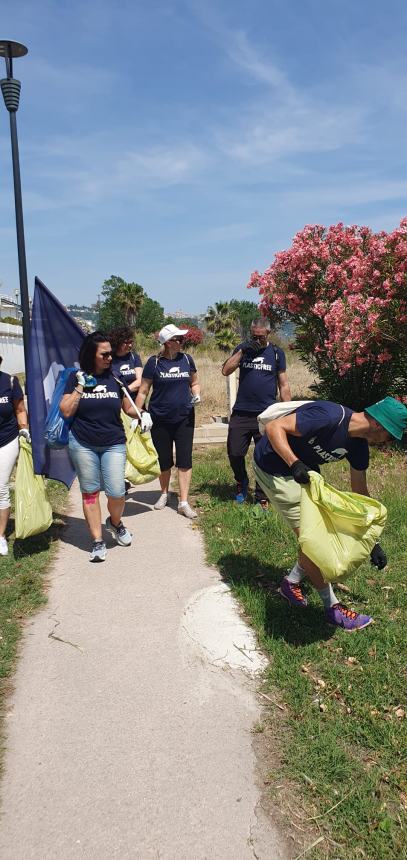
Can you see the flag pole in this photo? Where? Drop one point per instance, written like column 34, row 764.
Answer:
column 11, row 94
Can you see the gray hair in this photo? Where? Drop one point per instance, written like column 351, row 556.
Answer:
column 261, row 322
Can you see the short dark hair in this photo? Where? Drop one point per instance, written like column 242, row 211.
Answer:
column 119, row 335
column 88, row 350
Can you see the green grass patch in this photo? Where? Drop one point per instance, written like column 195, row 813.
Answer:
column 343, row 728
column 22, row 586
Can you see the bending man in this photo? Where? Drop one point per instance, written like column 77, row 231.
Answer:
column 315, row 433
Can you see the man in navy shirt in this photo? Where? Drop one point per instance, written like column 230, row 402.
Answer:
column 312, row 434
column 262, row 375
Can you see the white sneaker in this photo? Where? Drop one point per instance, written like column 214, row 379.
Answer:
column 187, row 511
column 161, row 502
column 119, row 533
column 99, row 551
column 3, row 546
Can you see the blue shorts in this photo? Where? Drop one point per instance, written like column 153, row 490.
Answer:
column 98, row 467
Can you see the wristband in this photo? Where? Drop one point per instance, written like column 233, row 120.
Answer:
column 78, row 391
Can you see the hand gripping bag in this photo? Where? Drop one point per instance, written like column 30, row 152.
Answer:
column 56, row 426
column 33, row 512
column 338, row 530
column 141, row 457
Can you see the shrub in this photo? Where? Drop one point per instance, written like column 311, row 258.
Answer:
column 344, row 288
column 194, row 337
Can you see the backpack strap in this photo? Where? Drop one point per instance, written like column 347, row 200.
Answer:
column 276, row 355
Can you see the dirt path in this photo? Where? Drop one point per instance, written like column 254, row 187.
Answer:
column 129, row 734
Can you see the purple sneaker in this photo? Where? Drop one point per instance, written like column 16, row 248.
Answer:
column 341, row 616
column 292, row 592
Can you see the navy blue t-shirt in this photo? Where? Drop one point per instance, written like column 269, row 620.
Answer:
column 123, row 366
column 324, row 438
column 171, row 397
column 258, row 378
column 97, row 420
column 9, row 393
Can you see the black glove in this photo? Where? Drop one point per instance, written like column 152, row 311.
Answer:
column 299, row 472
column 252, row 346
column 378, row 557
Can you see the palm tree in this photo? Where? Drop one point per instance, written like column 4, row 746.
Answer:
column 129, row 298
column 222, row 321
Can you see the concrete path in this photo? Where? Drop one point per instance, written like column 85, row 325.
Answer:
column 128, row 735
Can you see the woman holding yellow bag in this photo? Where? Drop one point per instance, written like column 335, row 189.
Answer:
column 93, row 400
column 312, row 434
column 13, row 423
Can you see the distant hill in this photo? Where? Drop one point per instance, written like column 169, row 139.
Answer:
column 84, row 313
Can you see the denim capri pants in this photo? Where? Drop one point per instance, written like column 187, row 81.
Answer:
column 99, row 467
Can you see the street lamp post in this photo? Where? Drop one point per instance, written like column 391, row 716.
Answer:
column 11, row 94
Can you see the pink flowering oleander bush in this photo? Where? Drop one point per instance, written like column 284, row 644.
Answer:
column 345, row 289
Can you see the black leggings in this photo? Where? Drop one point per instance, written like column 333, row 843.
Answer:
column 243, row 427
column 164, row 434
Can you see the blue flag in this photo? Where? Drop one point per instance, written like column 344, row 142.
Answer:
column 55, row 340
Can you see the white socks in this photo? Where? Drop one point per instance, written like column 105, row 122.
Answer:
column 327, row 596
column 296, row 574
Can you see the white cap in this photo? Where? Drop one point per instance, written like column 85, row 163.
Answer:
column 170, row 331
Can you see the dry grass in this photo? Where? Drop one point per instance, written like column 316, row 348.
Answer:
column 214, row 386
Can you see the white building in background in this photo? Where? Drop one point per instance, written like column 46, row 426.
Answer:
column 11, row 336
column 10, row 307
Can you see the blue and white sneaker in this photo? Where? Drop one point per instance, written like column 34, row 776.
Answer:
column 119, row 533
column 99, row 551
column 241, row 491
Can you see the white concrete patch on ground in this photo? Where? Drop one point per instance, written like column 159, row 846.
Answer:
column 212, row 621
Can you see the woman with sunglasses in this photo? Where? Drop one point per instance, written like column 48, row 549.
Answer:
column 173, row 379
column 93, row 399
column 125, row 363
column 13, row 424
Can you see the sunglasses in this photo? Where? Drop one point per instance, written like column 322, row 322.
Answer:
column 175, row 340
column 106, row 354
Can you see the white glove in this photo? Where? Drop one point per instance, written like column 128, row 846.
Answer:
column 25, row 433
column 146, row 422
column 134, row 424
column 85, row 379
column 195, row 398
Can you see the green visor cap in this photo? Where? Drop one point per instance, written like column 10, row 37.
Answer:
column 391, row 414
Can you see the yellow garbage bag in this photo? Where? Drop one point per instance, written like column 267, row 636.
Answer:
column 33, row 512
column 338, row 530
column 141, row 457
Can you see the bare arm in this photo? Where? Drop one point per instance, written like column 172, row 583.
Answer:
column 277, row 432
column 232, row 363
column 135, row 385
column 284, row 386
column 143, row 391
column 195, row 386
column 358, row 481
column 70, row 402
column 21, row 414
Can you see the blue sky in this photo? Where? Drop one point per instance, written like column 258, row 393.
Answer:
column 181, row 144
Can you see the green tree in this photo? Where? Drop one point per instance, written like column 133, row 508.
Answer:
column 222, row 321
column 246, row 313
column 121, row 303
column 151, row 316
